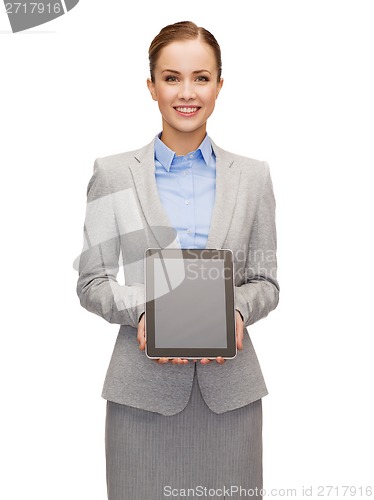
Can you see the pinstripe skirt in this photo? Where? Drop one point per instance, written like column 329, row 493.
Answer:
column 195, row 453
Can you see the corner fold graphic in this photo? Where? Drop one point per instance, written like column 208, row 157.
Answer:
column 70, row 4
column 28, row 14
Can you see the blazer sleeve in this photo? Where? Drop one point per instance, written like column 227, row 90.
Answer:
column 260, row 292
column 97, row 287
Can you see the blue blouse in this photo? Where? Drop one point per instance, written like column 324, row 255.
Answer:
column 187, row 189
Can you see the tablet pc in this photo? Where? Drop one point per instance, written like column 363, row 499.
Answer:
column 189, row 310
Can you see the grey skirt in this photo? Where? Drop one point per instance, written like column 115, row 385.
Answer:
column 195, row 453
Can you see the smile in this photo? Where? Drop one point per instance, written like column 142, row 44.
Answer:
column 187, row 110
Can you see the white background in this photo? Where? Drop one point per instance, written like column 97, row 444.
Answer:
column 298, row 93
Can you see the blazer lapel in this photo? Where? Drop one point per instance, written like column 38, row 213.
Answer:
column 227, row 185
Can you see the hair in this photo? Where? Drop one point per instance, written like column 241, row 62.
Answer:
column 183, row 30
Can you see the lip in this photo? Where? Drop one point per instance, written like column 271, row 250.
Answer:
column 187, row 114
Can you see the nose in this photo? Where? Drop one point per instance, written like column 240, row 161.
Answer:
column 186, row 91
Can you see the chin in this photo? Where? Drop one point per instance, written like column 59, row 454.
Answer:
column 189, row 127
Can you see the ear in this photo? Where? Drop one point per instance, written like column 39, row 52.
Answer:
column 151, row 88
column 219, row 86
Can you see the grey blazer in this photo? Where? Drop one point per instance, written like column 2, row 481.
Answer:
column 124, row 216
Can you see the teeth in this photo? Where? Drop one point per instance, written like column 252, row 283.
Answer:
column 187, row 110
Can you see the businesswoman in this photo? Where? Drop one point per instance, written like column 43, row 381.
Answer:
column 180, row 426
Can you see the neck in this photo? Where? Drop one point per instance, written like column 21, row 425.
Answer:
column 182, row 142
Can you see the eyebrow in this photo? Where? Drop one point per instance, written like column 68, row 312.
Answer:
column 193, row 72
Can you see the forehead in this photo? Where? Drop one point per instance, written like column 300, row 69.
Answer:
column 186, row 55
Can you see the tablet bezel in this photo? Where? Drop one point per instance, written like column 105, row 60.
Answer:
column 224, row 254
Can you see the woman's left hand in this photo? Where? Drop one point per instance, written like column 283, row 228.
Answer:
column 239, row 339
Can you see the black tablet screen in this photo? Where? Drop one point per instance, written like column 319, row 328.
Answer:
column 189, row 307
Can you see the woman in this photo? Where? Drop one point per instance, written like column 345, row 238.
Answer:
column 174, row 425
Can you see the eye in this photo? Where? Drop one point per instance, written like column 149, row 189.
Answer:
column 171, row 78
column 204, row 78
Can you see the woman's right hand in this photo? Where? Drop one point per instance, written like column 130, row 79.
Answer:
column 142, row 339
column 176, row 361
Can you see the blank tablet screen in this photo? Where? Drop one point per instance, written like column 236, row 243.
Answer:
column 197, row 305
column 189, row 303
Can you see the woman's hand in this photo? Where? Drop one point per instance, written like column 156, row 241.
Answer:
column 239, row 339
column 179, row 361
column 141, row 340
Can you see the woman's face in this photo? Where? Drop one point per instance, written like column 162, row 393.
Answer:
column 185, row 86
